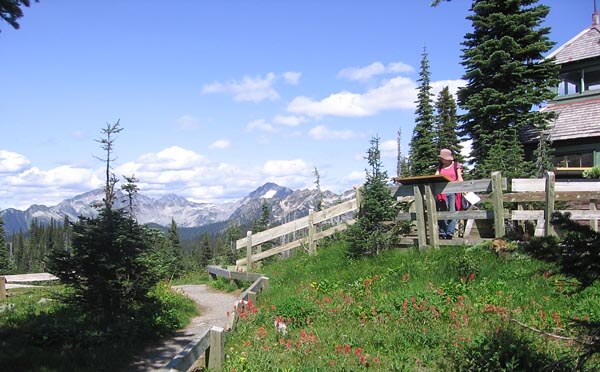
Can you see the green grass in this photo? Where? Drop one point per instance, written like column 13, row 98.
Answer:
column 455, row 308
column 40, row 333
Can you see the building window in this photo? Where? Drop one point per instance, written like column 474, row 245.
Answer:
column 571, row 82
column 585, row 160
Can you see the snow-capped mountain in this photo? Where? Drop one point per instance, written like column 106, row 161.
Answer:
column 284, row 204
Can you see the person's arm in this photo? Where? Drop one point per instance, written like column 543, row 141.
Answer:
column 459, row 176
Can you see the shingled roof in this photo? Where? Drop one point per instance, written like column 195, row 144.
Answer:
column 583, row 46
column 579, row 119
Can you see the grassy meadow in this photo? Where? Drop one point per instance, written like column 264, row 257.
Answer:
column 40, row 333
column 455, row 308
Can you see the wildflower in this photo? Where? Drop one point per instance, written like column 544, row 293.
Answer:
column 280, row 326
column 358, row 351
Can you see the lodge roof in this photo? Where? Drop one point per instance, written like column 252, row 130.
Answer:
column 585, row 45
column 580, row 119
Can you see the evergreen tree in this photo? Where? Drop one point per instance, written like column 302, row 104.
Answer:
column 402, row 164
column 446, row 123
column 369, row 235
column 423, row 152
column 232, row 234
column 319, row 201
column 206, row 250
column 107, row 265
column 263, row 222
column 11, row 11
column 6, row 264
column 507, row 76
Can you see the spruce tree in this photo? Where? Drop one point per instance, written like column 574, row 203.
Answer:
column 6, row 264
column 507, row 76
column 423, row 152
column 107, row 264
column 369, row 236
column 446, row 123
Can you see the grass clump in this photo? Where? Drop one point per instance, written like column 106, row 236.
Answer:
column 459, row 308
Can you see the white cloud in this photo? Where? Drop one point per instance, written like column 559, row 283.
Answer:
column 321, row 132
column 11, row 162
column 396, row 93
column 292, row 77
column 389, row 149
column 289, row 120
column 220, row 144
column 292, row 173
column 187, row 122
column 374, row 69
column 355, row 177
column 260, row 125
column 255, row 89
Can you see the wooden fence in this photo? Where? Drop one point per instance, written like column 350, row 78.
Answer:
column 210, row 345
column 22, row 280
column 424, row 215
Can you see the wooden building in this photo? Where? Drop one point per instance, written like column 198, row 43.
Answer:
column 575, row 132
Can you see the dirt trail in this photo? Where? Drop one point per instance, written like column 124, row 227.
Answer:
column 214, row 307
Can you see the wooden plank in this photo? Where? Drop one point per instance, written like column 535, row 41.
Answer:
column 273, row 251
column 539, row 184
column 2, row 287
column 531, row 196
column 549, row 207
column 497, row 187
column 432, row 220
column 27, row 278
column 337, row 210
column 539, row 214
column 275, row 232
column 420, row 212
column 332, row 230
column 186, row 358
column 421, row 180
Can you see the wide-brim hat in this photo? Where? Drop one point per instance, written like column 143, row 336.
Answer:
column 446, row 154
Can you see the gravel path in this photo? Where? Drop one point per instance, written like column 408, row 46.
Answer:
column 214, row 307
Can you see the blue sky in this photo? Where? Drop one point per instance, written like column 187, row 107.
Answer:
column 218, row 97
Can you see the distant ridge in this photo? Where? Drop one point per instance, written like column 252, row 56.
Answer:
column 285, row 205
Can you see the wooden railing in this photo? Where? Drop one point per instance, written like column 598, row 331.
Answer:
column 210, row 344
column 424, row 215
column 309, row 223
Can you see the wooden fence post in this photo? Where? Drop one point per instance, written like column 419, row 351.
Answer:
column 312, row 244
column 499, row 227
column 421, row 229
column 594, row 221
column 2, row 287
column 432, row 220
column 549, row 208
column 249, row 251
column 216, row 355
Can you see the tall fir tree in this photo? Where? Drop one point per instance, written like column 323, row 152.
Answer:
column 507, row 76
column 423, row 151
column 446, row 123
column 6, row 263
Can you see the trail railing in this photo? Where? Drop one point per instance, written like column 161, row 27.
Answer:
column 423, row 215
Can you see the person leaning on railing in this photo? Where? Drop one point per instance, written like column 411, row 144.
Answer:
column 452, row 169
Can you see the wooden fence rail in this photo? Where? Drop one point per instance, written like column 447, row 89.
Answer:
column 424, row 215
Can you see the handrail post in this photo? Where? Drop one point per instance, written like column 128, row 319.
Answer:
column 312, row 244
column 549, row 208
column 2, row 287
column 216, row 355
column 249, row 251
column 432, row 217
column 420, row 212
column 499, row 227
column 593, row 221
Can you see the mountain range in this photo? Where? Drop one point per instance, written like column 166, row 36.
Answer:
column 285, row 205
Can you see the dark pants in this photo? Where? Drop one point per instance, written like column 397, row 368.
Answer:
column 447, row 227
